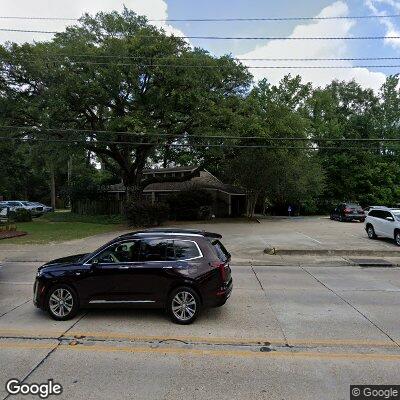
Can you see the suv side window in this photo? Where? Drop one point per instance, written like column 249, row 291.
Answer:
column 186, row 250
column 119, row 253
column 386, row 214
column 373, row 213
column 221, row 251
column 156, row 250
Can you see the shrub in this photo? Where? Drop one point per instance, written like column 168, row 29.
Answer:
column 190, row 204
column 20, row 215
column 145, row 213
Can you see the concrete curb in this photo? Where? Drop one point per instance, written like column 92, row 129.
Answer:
column 332, row 252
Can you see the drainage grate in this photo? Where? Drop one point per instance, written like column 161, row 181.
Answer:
column 372, row 262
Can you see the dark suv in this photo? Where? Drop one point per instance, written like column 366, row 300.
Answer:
column 176, row 269
column 348, row 212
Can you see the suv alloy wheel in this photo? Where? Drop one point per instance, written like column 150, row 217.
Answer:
column 183, row 305
column 371, row 232
column 62, row 302
column 397, row 238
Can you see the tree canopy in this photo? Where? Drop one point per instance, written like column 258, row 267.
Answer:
column 116, row 91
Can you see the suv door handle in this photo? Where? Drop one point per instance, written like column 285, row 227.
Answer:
column 168, row 267
column 123, row 267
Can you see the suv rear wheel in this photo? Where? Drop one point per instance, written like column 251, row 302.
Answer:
column 183, row 305
column 371, row 232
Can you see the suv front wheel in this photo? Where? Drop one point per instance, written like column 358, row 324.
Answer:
column 62, row 302
column 371, row 232
column 397, row 237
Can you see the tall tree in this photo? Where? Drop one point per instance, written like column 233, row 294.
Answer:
column 112, row 74
column 366, row 171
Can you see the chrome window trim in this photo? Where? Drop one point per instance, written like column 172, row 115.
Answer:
column 87, row 263
column 198, row 249
column 119, row 301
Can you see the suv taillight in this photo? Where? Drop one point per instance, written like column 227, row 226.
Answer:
column 347, row 210
column 221, row 268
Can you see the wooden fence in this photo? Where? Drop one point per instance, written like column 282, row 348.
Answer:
column 98, row 207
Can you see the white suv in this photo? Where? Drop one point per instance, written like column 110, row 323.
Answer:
column 383, row 221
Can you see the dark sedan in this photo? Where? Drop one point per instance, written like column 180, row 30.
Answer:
column 179, row 270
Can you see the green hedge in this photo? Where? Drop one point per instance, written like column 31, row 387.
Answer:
column 192, row 204
column 20, row 215
column 144, row 213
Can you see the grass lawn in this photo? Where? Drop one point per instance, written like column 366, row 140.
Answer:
column 62, row 226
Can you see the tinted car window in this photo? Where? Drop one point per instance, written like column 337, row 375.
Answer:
column 185, row 250
column 219, row 248
column 120, row 252
column 386, row 214
column 379, row 214
column 156, row 250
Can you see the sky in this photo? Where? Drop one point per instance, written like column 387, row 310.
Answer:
column 371, row 77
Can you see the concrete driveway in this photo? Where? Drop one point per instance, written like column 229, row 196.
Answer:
column 287, row 332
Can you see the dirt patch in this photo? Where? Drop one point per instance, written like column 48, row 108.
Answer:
column 11, row 234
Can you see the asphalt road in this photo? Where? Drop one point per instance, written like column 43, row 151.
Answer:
column 287, row 332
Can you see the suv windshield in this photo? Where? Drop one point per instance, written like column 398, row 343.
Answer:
column 396, row 214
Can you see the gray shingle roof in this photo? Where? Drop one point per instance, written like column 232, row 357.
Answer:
column 205, row 180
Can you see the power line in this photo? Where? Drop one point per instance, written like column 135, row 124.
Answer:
column 162, row 135
column 250, row 19
column 5, row 138
column 136, row 57
column 232, row 37
column 183, row 66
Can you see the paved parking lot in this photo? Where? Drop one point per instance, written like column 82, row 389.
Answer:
column 245, row 240
column 286, row 333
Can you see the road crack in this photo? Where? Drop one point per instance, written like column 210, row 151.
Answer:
column 352, row 306
column 270, row 305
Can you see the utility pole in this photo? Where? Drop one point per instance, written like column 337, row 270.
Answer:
column 52, row 187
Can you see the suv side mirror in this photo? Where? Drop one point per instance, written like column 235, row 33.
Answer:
column 389, row 219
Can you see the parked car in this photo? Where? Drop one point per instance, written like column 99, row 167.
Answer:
column 348, row 212
column 383, row 221
column 46, row 209
column 14, row 205
column 176, row 269
column 3, row 214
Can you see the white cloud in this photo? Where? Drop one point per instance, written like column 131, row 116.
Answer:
column 152, row 9
column 314, row 49
column 391, row 29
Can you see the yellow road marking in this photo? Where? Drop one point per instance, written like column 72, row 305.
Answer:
column 31, row 333
column 206, row 352
column 27, row 346
column 198, row 339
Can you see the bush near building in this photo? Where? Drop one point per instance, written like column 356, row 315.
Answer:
column 145, row 213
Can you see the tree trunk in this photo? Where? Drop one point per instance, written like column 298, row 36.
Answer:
column 53, row 188
column 251, row 203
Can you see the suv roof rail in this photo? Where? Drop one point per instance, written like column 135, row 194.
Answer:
column 176, row 231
